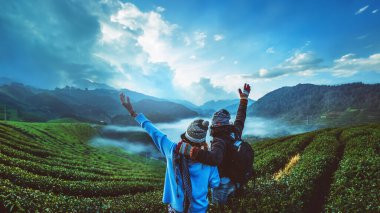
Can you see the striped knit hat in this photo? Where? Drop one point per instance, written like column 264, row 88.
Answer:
column 197, row 130
column 221, row 118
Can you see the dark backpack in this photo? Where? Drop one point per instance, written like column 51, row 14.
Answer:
column 241, row 156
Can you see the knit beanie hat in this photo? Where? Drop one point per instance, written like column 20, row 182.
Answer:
column 197, row 130
column 221, row 118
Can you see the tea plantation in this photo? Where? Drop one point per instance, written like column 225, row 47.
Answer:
column 50, row 167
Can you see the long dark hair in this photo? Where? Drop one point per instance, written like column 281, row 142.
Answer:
column 224, row 131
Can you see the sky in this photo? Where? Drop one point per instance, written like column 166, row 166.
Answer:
column 193, row 50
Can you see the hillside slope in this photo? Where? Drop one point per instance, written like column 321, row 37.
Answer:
column 329, row 170
column 99, row 105
column 342, row 104
column 51, row 167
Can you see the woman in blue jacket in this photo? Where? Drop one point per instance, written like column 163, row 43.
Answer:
column 186, row 181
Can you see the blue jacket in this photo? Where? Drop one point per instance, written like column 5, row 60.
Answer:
column 202, row 176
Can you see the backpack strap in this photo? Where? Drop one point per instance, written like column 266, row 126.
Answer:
column 237, row 133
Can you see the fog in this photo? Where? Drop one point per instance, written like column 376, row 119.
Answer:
column 254, row 126
column 133, row 139
column 115, row 128
column 269, row 128
column 130, row 147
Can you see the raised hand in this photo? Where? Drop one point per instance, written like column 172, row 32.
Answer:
column 127, row 104
column 245, row 93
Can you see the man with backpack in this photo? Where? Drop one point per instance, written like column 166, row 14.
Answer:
column 233, row 156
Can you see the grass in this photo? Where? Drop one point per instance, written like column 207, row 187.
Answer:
column 356, row 183
column 337, row 171
column 285, row 171
column 51, row 167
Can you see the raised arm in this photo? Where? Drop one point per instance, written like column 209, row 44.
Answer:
column 159, row 138
column 242, row 110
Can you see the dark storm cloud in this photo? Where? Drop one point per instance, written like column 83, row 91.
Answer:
column 47, row 42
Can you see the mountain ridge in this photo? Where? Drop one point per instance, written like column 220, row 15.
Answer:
column 98, row 105
column 307, row 103
column 318, row 102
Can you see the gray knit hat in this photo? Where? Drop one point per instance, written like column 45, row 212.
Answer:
column 197, row 130
column 221, row 118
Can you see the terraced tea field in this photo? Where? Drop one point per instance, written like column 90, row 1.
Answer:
column 50, row 167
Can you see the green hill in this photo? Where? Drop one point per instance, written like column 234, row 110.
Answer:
column 25, row 103
column 50, row 167
column 327, row 105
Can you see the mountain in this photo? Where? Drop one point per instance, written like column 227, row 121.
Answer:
column 98, row 105
column 4, row 80
column 346, row 103
column 185, row 103
column 161, row 111
column 231, row 105
column 89, row 85
column 233, row 108
column 218, row 104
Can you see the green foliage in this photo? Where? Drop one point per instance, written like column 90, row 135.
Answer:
column 70, row 104
column 356, row 182
column 64, row 120
column 316, row 162
column 273, row 158
column 22, row 199
column 49, row 167
column 353, row 176
column 333, row 103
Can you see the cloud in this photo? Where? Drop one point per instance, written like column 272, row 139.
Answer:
column 303, row 60
column 160, row 9
column 200, row 39
column 361, row 10
column 375, row 11
column 136, row 52
column 187, row 41
column 303, row 47
column 205, row 90
column 270, row 50
column 303, row 63
column 48, row 43
column 362, row 37
column 149, row 45
column 52, row 43
column 307, row 64
column 349, row 65
column 148, row 29
column 218, row 37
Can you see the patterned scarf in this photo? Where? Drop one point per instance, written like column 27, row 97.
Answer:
column 181, row 165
